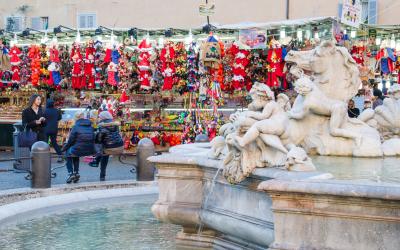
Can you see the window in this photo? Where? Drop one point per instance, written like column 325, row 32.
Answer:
column 86, row 21
column 14, row 23
column 40, row 23
column 372, row 12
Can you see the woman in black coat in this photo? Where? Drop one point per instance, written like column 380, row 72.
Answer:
column 33, row 117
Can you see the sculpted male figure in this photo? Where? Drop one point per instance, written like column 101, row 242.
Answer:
column 311, row 99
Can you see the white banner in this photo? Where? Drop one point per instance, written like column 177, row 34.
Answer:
column 351, row 12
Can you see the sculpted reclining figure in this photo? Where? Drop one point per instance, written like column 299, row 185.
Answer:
column 311, row 99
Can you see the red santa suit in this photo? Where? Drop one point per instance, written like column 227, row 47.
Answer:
column 144, row 64
column 89, row 65
column 77, row 71
column 275, row 66
column 167, row 57
column 14, row 54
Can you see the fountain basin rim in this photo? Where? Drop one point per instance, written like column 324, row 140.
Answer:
column 356, row 189
column 11, row 210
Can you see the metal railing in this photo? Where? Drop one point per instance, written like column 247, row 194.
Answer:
column 41, row 163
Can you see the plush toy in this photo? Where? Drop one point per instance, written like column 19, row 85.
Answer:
column 15, row 54
column 89, row 65
column 112, row 71
column 167, row 58
column 144, row 64
column 15, row 76
column 77, row 71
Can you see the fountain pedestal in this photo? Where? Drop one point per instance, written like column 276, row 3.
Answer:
column 213, row 213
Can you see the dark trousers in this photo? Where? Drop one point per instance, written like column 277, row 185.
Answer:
column 72, row 163
column 53, row 139
column 103, row 161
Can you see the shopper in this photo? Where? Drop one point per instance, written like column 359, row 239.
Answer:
column 33, row 117
column 53, row 116
column 110, row 139
column 80, row 143
column 377, row 99
column 352, row 110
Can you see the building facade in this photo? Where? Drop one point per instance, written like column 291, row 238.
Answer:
column 17, row 15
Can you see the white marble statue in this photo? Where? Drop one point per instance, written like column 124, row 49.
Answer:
column 311, row 99
column 386, row 117
column 267, row 135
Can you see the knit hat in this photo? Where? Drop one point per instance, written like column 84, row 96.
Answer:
column 105, row 115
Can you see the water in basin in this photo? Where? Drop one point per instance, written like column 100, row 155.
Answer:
column 350, row 168
column 102, row 224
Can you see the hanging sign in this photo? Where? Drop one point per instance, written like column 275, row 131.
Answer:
column 351, row 13
column 252, row 39
column 207, row 9
column 372, row 33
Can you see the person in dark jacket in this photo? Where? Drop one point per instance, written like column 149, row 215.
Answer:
column 80, row 143
column 33, row 117
column 352, row 111
column 109, row 137
column 53, row 116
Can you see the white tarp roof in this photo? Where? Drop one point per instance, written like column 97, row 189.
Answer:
column 275, row 24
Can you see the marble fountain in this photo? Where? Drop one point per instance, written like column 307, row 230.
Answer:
column 308, row 177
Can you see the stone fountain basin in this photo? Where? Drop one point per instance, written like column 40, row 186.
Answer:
column 253, row 214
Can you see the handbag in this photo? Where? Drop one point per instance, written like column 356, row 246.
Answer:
column 26, row 138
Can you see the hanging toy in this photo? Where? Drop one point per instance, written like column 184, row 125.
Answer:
column 211, row 53
column 89, row 64
column 112, row 71
column 77, row 71
column 144, row 64
column 168, row 67
column 34, row 57
column 15, row 54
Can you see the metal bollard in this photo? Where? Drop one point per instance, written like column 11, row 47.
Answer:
column 145, row 169
column 41, row 165
column 201, row 138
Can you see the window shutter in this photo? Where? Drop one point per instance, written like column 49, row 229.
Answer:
column 35, row 23
column 90, row 21
column 372, row 12
column 340, row 8
column 82, row 21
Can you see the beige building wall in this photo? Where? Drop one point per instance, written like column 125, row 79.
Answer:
column 179, row 13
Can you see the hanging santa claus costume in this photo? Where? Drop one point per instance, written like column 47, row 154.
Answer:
column 89, row 64
column 144, row 64
column 275, row 64
column 167, row 57
column 240, row 63
column 77, row 71
column 54, row 67
column 15, row 54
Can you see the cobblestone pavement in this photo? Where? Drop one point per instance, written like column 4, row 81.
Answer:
column 115, row 171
